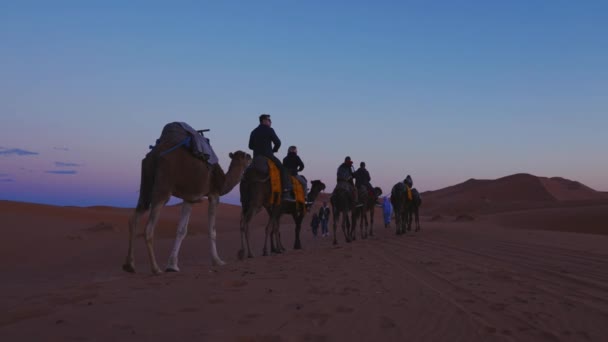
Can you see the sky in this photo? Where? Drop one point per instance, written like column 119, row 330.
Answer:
column 442, row 90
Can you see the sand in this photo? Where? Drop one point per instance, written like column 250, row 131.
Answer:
column 537, row 274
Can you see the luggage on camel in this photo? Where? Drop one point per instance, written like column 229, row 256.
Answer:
column 178, row 134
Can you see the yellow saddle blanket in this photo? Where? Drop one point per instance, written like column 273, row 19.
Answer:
column 275, row 183
column 409, row 193
column 298, row 190
column 275, row 187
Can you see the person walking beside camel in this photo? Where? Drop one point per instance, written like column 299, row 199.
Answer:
column 314, row 224
column 386, row 210
column 324, row 218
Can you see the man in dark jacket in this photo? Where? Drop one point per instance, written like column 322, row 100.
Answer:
column 345, row 179
column 261, row 141
column 362, row 176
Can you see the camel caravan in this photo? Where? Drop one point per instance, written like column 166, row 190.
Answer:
column 183, row 164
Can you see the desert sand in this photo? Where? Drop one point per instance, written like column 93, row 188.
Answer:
column 487, row 267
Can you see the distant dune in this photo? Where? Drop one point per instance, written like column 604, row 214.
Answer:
column 511, row 193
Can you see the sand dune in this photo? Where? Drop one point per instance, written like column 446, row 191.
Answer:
column 511, row 193
column 507, row 276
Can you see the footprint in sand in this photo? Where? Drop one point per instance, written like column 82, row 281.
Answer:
column 237, row 283
column 344, row 309
column 498, row 306
column 247, row 318
column 215, row 301
column 318, row 319
column 349, row 290
column 260, row 338
column 315, row 338
column 189, row 310
column 122, row 326
column 387, row 323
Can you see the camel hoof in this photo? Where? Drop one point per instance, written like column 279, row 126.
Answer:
column 265, row 253
column 157, row 271
column 128, row 268
column 241, row 254
column 335, row 242
column 250, row 256
column 171, row 269
column 218, row 262
column 297, row 246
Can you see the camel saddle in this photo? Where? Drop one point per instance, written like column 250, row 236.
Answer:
column 178, row 134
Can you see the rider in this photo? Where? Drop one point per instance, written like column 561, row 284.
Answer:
column 294, row 164
column 292, row 161
column 362, row 177
column 261, row 141
column 345, row 178
column 409, row 183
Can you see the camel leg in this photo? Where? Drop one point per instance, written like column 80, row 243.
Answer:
column 363, row 226
column 280, row 245
column 398, row 224
column 298, row 219
column 278, row 230
column 336, row 218
column 409, row 220
column 213, row 201
column 129, row 265
column 149, row 235
column 352, row 226
column 182, row 230
column 346, row 222
column 245, row 219
column 275, row 215
column 417, row 220
column 268, row 234
column 371, row 222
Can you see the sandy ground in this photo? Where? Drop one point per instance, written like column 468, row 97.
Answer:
column 527, row 275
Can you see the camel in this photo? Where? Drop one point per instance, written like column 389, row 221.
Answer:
column 414, row 208
column 401, row 207
column 255, row 194
column 342, row 203
column 369, row 201
column 179, row 173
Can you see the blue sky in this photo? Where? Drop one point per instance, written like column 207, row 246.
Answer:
column 442, row 90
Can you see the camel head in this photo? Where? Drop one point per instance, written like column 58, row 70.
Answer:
column 238, row 163
column 239, row 159
column 316, row 187
column 377, row 191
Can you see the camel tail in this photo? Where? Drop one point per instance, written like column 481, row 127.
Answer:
column 146, row 184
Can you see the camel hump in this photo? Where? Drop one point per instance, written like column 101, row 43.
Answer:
column 416, row 196
column 178, row 134
column 260, row 164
